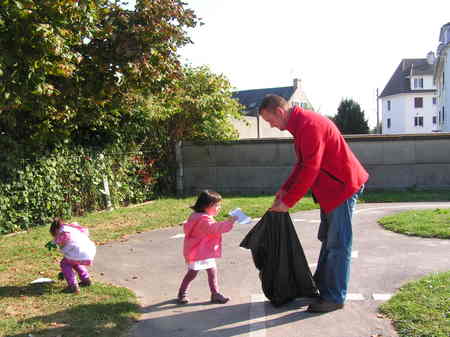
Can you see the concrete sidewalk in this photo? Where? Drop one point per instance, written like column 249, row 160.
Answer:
column 151, row 264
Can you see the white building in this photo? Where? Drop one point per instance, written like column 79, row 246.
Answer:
column 442, row 79
column 409, row 102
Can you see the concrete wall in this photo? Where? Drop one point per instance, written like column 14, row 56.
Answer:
column 260, row 166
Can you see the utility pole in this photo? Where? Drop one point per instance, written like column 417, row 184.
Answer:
column 378, row 115
column 257, row 124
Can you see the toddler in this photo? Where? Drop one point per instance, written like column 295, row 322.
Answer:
column 203, row 244
column 79, row 251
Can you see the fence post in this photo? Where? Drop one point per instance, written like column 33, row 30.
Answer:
column 179, row 160
column 105, row 190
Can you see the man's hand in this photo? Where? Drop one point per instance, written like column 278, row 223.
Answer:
column 279, row 206
column 280, row 194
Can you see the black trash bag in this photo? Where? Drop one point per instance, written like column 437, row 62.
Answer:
column 278, row 255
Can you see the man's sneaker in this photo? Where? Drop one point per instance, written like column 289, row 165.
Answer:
column 75, row 289
column 219, row 298
column 182, row 299
column 85, row 283
column 324, row 306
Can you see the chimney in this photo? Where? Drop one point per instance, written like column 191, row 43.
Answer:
column 297, row 83
column 404, row 65
column 431, row 58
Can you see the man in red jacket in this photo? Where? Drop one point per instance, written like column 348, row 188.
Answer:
column 327, row 166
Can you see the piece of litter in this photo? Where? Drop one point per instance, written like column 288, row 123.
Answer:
column 242, row 218
column 42, row 280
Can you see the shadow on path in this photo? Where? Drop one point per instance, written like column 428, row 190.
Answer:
column 173, row 320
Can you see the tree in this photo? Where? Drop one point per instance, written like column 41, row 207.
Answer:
column 350, row 118
column 199, row 109
column 71, row 69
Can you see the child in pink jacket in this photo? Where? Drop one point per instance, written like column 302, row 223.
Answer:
column 203, row 244
column 79, row 251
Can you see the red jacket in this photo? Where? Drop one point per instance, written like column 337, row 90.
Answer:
column 326, row 164
column 203, row 237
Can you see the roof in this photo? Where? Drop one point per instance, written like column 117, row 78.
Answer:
column 444, row 29
column 399, row 82
column 252, row 99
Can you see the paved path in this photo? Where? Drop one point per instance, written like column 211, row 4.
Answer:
column 151, row 265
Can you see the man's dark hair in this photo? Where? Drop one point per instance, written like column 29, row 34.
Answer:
column 271, row 102
column 205, row 199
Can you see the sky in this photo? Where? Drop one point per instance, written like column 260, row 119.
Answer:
column 339, row 49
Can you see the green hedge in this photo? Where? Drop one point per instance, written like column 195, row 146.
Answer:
column 70, row 182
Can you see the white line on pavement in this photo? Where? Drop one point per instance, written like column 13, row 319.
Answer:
column 180, row 235
column 381, row 297
column 257, row 324
column 257, row 311
column 295, row 220
column 355, row 297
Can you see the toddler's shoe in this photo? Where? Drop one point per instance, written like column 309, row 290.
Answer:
column 219, row 298
column 85, row 283
column 75, row 289
column 182, row 299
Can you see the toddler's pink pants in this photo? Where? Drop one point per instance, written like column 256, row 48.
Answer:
column 190, row 276
column 68, row 267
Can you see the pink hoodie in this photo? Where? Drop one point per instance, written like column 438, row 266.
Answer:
column 203, row 237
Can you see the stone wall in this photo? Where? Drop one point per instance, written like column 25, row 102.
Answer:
column 260, row 166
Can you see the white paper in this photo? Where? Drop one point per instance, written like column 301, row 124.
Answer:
column 242, row 217
column 42, row 280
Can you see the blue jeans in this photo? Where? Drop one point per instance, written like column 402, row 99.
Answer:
column 333, row 268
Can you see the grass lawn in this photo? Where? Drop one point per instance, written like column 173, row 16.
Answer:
column 422, row 308
column 103, row 310
column 425, row 223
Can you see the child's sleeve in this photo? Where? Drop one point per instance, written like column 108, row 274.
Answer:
column 209, row 226
column 62, row 239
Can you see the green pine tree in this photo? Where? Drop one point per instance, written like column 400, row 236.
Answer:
column 350, row 118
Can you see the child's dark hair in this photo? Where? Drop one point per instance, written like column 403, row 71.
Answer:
column 56, row 225
column 205, row 199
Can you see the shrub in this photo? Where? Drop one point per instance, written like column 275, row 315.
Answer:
column 71, row 182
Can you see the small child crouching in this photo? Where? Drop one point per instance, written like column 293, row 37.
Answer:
column 78, row 250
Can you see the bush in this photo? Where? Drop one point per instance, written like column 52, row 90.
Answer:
column 71, row 182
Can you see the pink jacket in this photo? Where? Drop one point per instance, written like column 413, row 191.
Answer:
column 203, row 237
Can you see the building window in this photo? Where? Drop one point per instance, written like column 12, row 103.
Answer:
column 418, row 121
column 388, row 121
column 434, row 100
column 418, row 83
column 443, row 115
column 418, row 102
column 389, row 105
column 434, row 119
